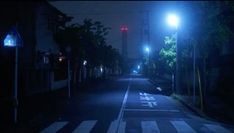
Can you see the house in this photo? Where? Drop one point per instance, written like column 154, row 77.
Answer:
column 36, row 23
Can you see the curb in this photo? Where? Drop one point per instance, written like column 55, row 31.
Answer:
column 190, row 106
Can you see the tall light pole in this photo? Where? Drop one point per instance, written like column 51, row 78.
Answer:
column 194, row 73
column 173, row 21
column 68, row 50
column 147, row 50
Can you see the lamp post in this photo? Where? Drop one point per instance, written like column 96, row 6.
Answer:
column 147, row 50
column 68, row 50
column 173, row 21
column 13, row 39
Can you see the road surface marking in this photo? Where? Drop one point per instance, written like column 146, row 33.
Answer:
column 149, row 104
column 144, row 94
column 217, row 128
column 113, row 127
column 153, row 110
column 147, row 98
column 54, row 127
column 149, row 127
column 182, row 127
column 85, row 126
column 120, row 116
column 122, row 127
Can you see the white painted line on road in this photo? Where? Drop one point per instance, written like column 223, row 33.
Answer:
column 144, row 94
column 120, row 116
column 54, row 127
column 150, row 104
column 85, row 126
column 152, row 110
column 113, row 126
column 147, row 98
column 122, row 127
column 149, row 127
column 182, row 127
column 217, row 128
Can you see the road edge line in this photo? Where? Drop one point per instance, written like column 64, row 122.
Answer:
column 120, row 116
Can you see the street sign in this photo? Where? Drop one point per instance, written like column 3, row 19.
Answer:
column 13, row 38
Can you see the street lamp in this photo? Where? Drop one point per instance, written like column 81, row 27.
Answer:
column 147, row 50
column 13, row 39
column 173, row 21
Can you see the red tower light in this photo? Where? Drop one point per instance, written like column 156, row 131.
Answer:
column 124, row 28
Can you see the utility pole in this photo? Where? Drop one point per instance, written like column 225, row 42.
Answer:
column 145, row 33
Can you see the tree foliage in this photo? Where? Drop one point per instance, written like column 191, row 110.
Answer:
column 168, row 53
column 88, row 42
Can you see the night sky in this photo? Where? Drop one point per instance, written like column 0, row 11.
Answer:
column 116, row 13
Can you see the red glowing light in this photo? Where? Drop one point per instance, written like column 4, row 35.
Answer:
column 124, row 28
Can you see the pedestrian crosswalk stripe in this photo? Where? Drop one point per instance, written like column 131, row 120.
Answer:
column 217, row 128
column 54, row 127
column 149, row 127
column 85, row 126
column 182, row 127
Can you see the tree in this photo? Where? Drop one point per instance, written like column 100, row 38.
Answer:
column 168, row 53
column 88, row 42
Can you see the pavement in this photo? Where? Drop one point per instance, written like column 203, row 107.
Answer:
column 128, row 104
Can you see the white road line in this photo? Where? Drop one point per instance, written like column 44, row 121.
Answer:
column 182, row 127
column 54, row 127
column 152, row 110
column 85, row 126
column 113, row 127
column 120, row 116
column 149, row 127
column 122, row 127
column 217, row 128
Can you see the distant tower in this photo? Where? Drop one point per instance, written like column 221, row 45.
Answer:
column 124, row 30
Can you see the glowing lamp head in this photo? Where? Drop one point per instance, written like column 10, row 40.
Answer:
column 147, row 49
column 84, row 62
column 60, row 59
column 173, row 20
column 138, row 67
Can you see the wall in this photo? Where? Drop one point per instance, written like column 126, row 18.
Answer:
column 44, row 36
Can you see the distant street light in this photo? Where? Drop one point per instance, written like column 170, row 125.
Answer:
column 84, row 62
column 173, row 21
column 138, row 67
column 13, row 39
column 147, row 50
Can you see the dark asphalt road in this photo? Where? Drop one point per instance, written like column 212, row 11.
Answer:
column 129, row 104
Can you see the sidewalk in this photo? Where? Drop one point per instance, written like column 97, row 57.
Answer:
column 42, row 106
column 214, row 108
